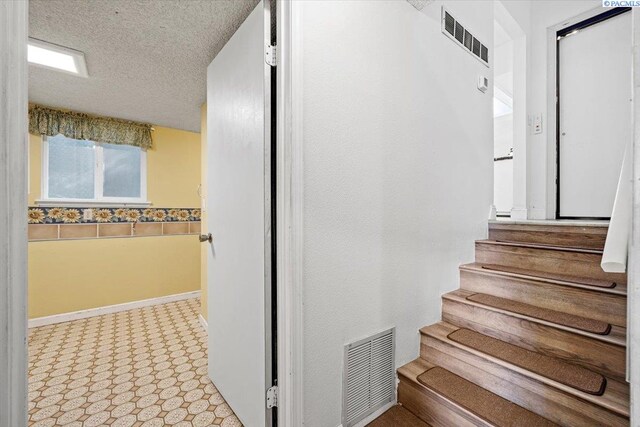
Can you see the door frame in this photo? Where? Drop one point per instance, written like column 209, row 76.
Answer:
column 554, row 34
column 633, row 298
column 270, row 216
column 519, row 134
column 13, row 209
column 290, row 198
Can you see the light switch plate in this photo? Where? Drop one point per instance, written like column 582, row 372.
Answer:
column 483, row 84
column 537, row 124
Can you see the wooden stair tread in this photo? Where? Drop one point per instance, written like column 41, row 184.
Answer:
column 586, row 236
column 410, row 373
column 413, row 369
column 577, row 226
column 546, row 277
column 575, row 262
column 487, row 405
column 541, row 246
column 559, row 406
column 556, row 253
column 586, row 301
column 565, row 278
column 617, row 334
column 397, row 416
column 567, row 247
column 598, row 355
column 615, row 397
column 553, row 316
column 572, row 375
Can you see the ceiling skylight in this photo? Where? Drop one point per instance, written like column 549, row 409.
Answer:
column 49, row 55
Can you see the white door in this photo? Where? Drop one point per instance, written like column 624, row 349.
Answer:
column 236, row 220
column 595, row 115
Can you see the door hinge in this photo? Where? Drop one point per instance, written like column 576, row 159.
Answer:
column 271, row 55
column 272, row 397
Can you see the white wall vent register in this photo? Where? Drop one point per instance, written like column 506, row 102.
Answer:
column 459, row 34
column 368, row 381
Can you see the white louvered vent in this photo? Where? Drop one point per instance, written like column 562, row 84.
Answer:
column 459, row 34
column 368, row 381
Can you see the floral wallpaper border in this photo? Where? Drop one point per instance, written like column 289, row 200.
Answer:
column 60, row 215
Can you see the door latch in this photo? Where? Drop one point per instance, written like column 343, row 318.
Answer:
column 205, row 238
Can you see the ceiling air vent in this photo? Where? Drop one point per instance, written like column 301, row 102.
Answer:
column 368, row 381
column 458, row 33
column 449, row 24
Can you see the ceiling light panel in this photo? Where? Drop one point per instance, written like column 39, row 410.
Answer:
column 54, row 57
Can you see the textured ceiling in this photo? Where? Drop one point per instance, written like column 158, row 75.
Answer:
column 147, row 60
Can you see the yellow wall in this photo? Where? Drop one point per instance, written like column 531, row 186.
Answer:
column 71, row 275
column 75, row 275
column 204, row 248
column 35, row 167
column 173, row 168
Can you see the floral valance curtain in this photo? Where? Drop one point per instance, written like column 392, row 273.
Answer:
column 51, row 122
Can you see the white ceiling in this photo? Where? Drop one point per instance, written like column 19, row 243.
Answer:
column 147, row 59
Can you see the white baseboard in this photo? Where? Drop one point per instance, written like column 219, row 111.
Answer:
column 531, row 213
column 537, row 213
column 203, row 322
column 91, row 312
column 519, row 213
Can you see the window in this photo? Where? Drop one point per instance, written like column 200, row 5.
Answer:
column 87, row 172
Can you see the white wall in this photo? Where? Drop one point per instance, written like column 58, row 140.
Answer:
column 535, row 17
column 398, row 175
column 503, row 66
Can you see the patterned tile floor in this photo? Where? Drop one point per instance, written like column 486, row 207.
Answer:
column 143, row 367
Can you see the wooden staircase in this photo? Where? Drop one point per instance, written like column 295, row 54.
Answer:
column 538, row 295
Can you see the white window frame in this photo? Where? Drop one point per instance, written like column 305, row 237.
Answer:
column 99, row 199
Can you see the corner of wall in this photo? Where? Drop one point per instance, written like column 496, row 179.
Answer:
column 34, row 173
